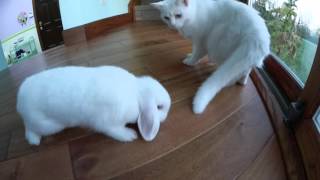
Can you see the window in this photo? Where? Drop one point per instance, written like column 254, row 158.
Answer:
column 291, row 75
column 294, row 27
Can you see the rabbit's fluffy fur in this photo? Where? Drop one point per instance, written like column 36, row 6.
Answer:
column 103, row 98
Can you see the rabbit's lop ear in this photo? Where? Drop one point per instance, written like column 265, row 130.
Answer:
column 148, row 121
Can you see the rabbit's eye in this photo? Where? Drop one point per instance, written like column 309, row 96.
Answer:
column 160, row 107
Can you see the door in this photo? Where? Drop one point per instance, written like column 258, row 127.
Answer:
column 49, row 23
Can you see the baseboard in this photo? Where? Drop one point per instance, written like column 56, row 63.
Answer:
column 98, row 28
column 146, row 13
column 74, row 35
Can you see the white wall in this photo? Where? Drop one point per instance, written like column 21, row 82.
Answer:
column 9, row 11
column 76, row 13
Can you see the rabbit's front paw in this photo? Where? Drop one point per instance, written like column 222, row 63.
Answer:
column 129, row 135
column 123, row 134
column 33, row 138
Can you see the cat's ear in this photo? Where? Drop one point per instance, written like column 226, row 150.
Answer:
column 185, row 2
column 158, row 5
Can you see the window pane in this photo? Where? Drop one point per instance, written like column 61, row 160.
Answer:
column 294, row 27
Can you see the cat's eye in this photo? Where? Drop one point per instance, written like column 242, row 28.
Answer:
column 160, row 107
column 178, row 16
column 167, row 18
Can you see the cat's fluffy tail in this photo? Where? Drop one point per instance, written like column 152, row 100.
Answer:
column 236, row 68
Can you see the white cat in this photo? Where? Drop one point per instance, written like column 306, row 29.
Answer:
column 233, row 35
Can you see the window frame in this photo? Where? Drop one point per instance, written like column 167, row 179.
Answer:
column 306, row 129
column 294, row 126
column 291, row 107
column 283, row 77
column 316, row 118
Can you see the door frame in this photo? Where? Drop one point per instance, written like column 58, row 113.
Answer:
column 37, row 23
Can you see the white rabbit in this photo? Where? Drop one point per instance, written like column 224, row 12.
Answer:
column 102, row 98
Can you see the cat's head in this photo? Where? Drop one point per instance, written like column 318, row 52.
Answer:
column 175, row 13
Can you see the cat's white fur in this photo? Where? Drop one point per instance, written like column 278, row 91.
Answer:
column 102, row 98
column 233, row 35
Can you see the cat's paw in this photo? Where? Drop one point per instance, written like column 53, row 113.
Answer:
column 243, row 80
column 189, row 61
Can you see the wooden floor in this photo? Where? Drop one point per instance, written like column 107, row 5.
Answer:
column 233, row 139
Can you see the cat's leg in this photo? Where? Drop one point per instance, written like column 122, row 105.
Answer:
column 197, row 53
column 244, row 79
column 226, row 74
